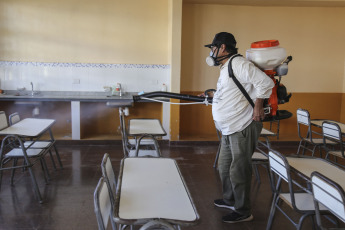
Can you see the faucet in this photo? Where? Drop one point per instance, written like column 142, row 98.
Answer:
column 120, row 93
column 32, row 89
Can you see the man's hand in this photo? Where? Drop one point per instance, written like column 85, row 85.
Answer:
column 259, row 114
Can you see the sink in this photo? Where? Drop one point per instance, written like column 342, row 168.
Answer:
column 22, row 94
column 36, row 94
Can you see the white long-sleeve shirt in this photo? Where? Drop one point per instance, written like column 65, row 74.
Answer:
column 230, row 109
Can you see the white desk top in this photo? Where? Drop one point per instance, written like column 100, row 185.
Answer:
column 318, row 123
column 145, row 126
column 29, row 127
column 153, row 188
column 308, row 165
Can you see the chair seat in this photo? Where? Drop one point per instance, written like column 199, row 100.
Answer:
column 143, row 152
column 38, row 144
column 259, row 156
column 319, row 141
column 266, row 132
column 142, row 142
column 19, row 152
column 303, row 201
column 336, row 153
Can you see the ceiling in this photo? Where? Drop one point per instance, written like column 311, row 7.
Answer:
column 305, row 3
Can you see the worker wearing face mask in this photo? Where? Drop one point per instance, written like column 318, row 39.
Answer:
column 239, row 123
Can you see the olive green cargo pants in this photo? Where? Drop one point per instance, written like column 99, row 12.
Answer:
column 235, row 166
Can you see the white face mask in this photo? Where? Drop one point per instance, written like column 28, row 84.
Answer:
column 210, row 60
column 215, row 61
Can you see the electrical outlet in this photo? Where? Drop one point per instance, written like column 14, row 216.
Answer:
column 76, row 81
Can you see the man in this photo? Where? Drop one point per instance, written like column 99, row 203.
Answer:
column 239, row 123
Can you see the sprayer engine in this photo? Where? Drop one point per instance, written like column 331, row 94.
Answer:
column 272, row 59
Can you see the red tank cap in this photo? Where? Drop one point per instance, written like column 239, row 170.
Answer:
column 265, row 44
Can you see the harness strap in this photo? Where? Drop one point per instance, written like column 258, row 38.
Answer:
column 239, row 85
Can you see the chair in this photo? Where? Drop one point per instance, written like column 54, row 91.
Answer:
column 303, row 119
column 275, row 123
column 133, row 141
column 300, row 202
column 109, row 176
column 328, row 194
column 332, row 133
column 260, row 158
column 131, row 150
column 103, row 206
column 16, row 153
column 12, row 148
column 15, row 118
column 157, row 224
column 3, row 120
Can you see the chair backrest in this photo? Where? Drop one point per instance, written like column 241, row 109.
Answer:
column 103, row 207
column 14, row 118
column 279, row 165
column 303, row 117
column 109, row 176
column 329, row 194
column 331, row 131
column 3, row 120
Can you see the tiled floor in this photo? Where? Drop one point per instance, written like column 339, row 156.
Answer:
column 69, row 196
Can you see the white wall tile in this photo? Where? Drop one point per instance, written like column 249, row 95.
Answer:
column 91, row 77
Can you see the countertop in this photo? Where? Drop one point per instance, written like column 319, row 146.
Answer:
column 14, row 95
column 111, row 100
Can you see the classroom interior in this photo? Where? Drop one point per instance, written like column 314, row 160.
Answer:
column 58, row 43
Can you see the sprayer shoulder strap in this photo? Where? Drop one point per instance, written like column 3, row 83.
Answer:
column 239, row 85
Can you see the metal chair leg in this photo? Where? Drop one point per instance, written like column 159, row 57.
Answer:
column 45, row 170
column 299, row 146
column 56, row 151
column 14, row 164
column 272, row 212
column 58, row 156
column 256, row 173
column 52, row 158
column 217, row 156
column 37, row 191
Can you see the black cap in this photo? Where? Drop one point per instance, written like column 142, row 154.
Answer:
column 223, row 38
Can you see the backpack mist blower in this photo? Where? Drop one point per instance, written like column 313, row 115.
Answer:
column 266, row 55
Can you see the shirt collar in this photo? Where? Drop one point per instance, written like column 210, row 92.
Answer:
column 226, row 63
